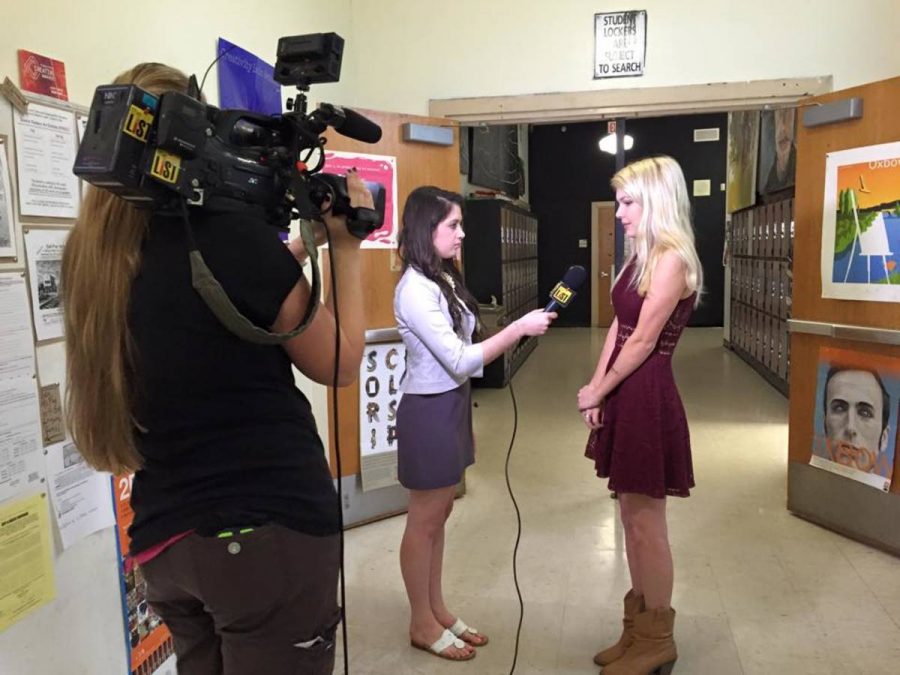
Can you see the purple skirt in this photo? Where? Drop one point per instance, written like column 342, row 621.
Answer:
column 434, row 438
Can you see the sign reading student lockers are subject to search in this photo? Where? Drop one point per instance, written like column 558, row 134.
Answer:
column 620, row 44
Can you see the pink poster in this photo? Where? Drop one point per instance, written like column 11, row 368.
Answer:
column 379, row 169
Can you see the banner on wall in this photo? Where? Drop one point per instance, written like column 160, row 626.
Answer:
column 149, row 643
column 246, row 81
column 861, row 224
column 855, row 423
column 378, row 169
column 380, row 374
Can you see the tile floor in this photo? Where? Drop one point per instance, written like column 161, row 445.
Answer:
column 758, row 591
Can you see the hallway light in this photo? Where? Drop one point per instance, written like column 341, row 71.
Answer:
column 608, row 143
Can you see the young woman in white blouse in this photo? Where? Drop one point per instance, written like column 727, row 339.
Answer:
column 437, row 317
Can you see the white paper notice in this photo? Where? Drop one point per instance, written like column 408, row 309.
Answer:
column 44, row 249
column 21, row 465
column 7, row 231
column 16, row 348
column 45, row 154
column 80, row 495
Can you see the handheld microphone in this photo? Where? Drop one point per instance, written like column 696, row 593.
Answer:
column 563, row 293
column 350, row 123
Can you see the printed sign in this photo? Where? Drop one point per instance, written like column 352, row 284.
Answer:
column 620, row 44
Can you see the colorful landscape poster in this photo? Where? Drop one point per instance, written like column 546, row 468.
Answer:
column 861, row 224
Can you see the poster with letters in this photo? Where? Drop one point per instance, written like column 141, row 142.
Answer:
column 149, row 642
column 861, row 224
column 381, row 373
column 855, row 421
column 44, row 249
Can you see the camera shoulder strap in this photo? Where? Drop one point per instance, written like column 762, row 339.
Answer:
column 215, row 297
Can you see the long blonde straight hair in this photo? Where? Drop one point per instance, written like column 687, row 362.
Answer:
column 657, row 184
column 101, row 258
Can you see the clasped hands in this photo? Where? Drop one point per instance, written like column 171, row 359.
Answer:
column 591, row 405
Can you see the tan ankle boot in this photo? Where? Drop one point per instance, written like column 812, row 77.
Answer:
column 634, row 605
column 652, row 651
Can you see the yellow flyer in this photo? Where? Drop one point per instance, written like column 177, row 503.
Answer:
column 26, row 558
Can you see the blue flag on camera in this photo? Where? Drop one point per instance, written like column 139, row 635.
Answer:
column 245, row 81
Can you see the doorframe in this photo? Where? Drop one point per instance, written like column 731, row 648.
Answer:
column 595, row 262
column 599, row 104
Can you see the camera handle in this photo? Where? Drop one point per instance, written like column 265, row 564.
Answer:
column 220, row 304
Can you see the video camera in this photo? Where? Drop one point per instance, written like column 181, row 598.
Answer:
column 159, row 151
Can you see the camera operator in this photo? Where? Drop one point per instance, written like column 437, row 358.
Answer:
column 235, row 514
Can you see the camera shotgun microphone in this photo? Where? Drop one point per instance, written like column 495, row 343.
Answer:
column 350, row 123
column 563, row 293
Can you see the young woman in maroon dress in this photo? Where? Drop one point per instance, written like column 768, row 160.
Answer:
column 639, row 434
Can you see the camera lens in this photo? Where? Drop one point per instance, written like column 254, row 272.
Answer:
column 246, row 133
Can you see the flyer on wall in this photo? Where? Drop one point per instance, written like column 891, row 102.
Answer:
column 861, row 224
column 79, row 495
column 378, row 169
column 45, row 153
column 42, row 75
column 44, row 249
column 21, row 457
column 7, row 228
column 26, row 575
column 855, row 421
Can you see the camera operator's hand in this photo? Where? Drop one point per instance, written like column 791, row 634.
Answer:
column 298, row 248
column 359, row 197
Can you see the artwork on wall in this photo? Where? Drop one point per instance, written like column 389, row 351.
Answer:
column 861, row 224
column 855, row 421
column 777, row 150
column 743, row 147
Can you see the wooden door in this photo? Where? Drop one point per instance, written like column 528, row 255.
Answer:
column 417, row 164
column 603, row 258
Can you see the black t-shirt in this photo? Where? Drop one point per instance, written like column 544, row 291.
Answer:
column 226, row 438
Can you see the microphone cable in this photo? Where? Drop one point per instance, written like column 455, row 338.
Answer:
column 512, row 441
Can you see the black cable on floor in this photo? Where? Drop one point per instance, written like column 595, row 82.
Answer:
column 518, row 527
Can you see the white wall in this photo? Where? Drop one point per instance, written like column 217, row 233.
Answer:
column 98, row 39
column 414, row 51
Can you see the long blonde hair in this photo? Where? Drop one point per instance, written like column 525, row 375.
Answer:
column 101, row 258
column 657, row 184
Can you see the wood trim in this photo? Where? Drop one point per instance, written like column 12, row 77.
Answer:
column 633, row 102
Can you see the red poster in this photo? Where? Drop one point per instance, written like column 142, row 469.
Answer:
column 379, row 169
column 42, row 75
column 149, row 640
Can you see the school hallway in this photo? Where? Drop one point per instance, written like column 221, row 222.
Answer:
column 757, row 590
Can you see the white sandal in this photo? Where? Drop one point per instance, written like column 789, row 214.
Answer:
column 459, row 629
column 447, row 639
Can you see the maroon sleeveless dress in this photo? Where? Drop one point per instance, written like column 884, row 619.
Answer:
column 644, row 445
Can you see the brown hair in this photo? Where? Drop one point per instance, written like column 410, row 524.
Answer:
column 101, row 258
